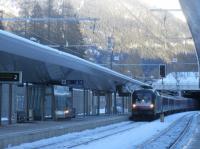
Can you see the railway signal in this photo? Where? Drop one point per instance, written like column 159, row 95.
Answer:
column 162, row 70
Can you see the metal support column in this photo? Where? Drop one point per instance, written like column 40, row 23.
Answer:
column 42, row 102
column 27, row 100
column 84, row 102
column 126, row 104
column 53, row 104
column 123, row 104
column 108, row 103
column 0, row 101
column 130, row 102
column 98, row 104
column 72, row 96
column 115, row 103
column 106, row 100
column 10, row 105
column 93, row 108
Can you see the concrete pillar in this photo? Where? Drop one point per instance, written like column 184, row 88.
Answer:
column 10, row 105
column 0, row 101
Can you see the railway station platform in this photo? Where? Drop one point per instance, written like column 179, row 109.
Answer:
column 11, row 135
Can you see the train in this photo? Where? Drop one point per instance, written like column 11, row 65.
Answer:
column 149, row 103
column 63, row 102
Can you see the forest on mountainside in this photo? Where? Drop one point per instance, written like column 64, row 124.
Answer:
column 137, row 34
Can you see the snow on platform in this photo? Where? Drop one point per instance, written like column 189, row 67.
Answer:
column 16, row 134
column 140, row 133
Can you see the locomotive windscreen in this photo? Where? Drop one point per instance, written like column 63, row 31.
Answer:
column 142, row 96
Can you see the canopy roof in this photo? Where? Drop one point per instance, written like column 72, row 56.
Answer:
column 44, row 65
column 192, row 13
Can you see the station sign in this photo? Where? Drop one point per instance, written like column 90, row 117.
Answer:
column 9, row 77
column 73, row 83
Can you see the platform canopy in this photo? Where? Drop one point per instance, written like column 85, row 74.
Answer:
column 44, row 65
column 191, row 9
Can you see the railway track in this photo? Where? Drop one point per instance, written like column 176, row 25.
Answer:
column 171, row 136
column 86, row 139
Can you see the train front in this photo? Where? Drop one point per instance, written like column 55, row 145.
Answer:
column 143, row 103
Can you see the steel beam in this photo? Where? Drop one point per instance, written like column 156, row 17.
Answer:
column 10, row 105
column 0, row 102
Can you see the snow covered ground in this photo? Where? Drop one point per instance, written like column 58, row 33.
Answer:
column 126, row 135
column 183, row 80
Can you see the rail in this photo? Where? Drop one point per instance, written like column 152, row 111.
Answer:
column 171, row 135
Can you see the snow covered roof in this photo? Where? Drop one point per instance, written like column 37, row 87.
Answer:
column 40, row 64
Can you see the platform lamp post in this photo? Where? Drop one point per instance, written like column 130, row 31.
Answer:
column 162, row 72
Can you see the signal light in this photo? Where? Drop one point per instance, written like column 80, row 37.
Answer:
column 162, row 70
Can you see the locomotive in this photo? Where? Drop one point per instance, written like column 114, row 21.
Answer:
column 150, row 104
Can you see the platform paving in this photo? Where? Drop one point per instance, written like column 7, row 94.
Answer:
column 15, row 134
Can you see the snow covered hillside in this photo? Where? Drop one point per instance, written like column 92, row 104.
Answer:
column 181, row 80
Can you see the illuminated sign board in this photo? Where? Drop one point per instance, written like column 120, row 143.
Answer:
column 11, row 77
column 73, row 83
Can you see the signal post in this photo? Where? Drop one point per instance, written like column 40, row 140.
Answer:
column 162, row 72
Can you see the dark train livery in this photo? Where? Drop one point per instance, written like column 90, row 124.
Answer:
column 150, row 104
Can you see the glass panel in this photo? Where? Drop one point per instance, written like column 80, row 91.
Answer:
column 48, row 107
column 19, row 103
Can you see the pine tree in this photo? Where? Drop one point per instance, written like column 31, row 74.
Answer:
column 37, row 28
column 1, row 24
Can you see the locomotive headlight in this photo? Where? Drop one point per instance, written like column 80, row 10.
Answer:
column 151, row 106
column 66, row 111
column 134, row 105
